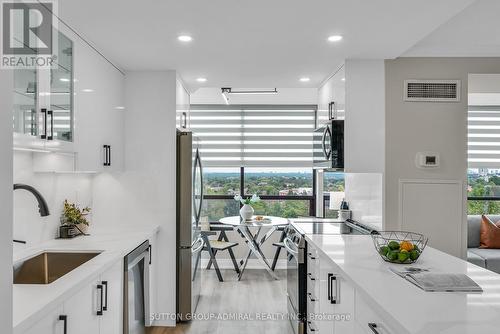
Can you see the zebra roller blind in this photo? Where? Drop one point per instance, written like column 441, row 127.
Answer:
column 483, row 132
column 254, row 135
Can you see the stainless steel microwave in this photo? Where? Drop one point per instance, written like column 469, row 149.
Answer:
column 328, row 145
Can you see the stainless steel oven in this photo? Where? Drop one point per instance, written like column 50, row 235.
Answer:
column 295, row 245
column 328, row 145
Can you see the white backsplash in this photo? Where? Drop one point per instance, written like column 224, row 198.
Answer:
column 55, row 188
column 365, row 194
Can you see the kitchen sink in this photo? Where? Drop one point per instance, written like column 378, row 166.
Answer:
column 47, row 267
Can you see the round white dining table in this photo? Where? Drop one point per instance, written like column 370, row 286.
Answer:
column 250, row 230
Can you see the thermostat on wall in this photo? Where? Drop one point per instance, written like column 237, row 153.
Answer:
column 427, row 160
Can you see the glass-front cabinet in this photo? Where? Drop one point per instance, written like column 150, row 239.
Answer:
column 43, row 102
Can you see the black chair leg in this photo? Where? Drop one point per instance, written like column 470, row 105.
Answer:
column 209, row 265
column 233, row 258
column 214, row 261
column 275, row 260
column 278, row 251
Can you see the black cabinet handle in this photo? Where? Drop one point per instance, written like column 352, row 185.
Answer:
column 44, row 112
column 310, row 276
column 311, row 328
column 65, row 319
column 311, row 298
column 150, row 250
column 51, row 114
column 107, row 155
column 184, row 120
column 373, row 327
column 100, row 288
column 333, row 299
column 105, row 285
column 311, row 256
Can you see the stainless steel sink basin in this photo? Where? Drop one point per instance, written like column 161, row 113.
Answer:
column 47, row 267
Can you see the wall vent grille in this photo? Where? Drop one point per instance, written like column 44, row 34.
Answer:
column 432, row 90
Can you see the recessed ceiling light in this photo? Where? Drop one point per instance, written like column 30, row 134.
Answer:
column 64, row 79
column 201, row 79
column 343, row 79
column 305, row 79
column 87, row 90
column 334, row 38
column 185, row 38
column 119, row 108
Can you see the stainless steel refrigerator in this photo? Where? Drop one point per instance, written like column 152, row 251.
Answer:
column 189, row 205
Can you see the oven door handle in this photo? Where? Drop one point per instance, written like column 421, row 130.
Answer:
column 292, row 251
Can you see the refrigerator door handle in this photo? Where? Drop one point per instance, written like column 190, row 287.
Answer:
column 197, row 163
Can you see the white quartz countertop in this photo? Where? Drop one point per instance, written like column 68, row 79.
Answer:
column 412, row 309
column 32, row 302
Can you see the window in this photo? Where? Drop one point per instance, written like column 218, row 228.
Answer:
column 483, row 160
column 256, row 149
column 333, row 193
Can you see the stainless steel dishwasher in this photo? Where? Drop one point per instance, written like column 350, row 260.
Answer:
column 136, row 315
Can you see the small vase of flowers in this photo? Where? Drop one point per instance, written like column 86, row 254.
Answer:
column 246, row 211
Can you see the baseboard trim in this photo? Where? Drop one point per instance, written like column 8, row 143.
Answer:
column 252, row 264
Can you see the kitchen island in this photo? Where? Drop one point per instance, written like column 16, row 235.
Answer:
column 351, row 280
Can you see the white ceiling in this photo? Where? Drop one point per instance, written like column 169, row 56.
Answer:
column 258, row 43
column 475, row 32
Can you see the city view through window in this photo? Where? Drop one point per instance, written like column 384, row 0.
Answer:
column 285, row 192
column 483, row 182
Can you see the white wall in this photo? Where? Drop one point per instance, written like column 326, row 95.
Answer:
column 145, row 193
column 440, row 127
column 212, row 95
column 6, row 84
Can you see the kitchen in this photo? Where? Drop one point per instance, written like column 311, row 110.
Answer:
column 102, row 130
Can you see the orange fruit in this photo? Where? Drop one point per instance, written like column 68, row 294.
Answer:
column 406, row 245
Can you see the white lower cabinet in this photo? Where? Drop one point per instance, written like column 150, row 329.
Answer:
column 111, row 320
column 96, row 308
column 50, row 324
column 369, row 320
column 81, row 311
column 336, row 300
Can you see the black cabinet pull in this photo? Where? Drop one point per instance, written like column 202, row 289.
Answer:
column 107, row 155
column 332, row 278
column 310, row 276
column 373, row 327
column 105, row 285
column 44, row 112
column 100, row 288
column 51, row 114
column 65, row 319
column 311, row 256
column 150, row 250
column 311, row 298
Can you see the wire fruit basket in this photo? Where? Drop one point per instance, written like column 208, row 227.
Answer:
column 399, row 246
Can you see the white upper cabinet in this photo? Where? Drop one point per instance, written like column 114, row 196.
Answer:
column 77, row 107
column 182, row 105
column 331, row 98
column 99, row 110
column 43, row 102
